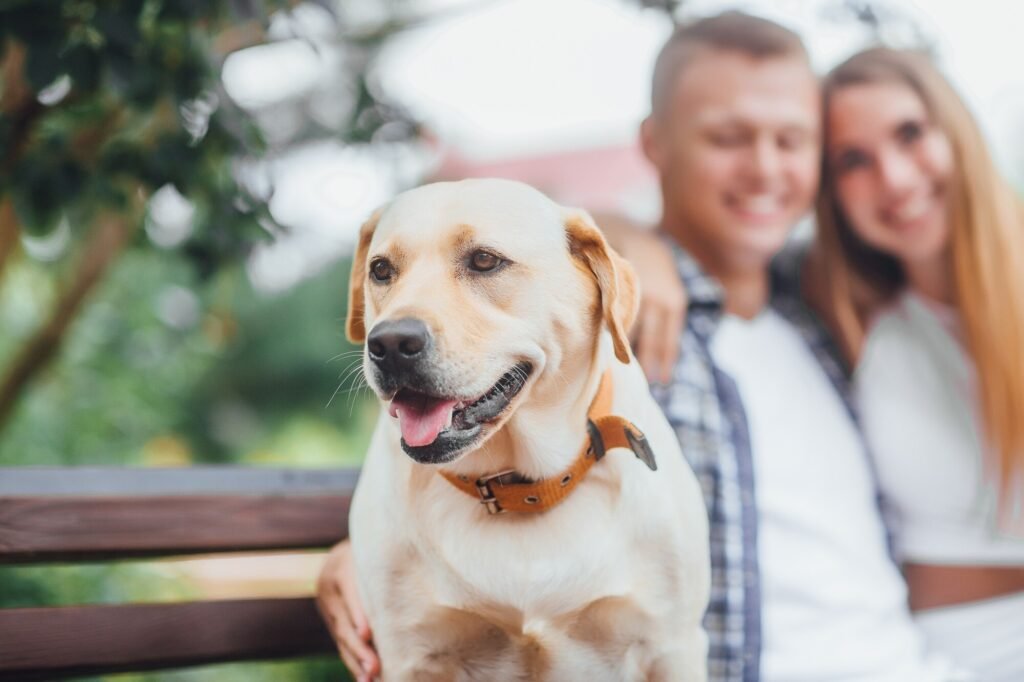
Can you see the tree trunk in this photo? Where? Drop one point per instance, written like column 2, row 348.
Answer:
column 108, row 240
column 9, row 234
column 19, row 104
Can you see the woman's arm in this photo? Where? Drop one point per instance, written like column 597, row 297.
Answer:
column 338, row 601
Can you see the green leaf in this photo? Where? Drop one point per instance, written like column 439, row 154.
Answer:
column 42, row 64
column 120, row 29
column 37, row 209
column 136, row 79
column 83, row 66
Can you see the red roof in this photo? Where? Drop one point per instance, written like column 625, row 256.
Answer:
column 603, row 178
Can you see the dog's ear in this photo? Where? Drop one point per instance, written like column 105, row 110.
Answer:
column 616, row 281
column 355, row 329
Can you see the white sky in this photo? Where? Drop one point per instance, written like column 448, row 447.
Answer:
column 516, row 76
column 508, row 78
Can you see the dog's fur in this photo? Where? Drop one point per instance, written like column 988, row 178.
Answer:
column 609, row 585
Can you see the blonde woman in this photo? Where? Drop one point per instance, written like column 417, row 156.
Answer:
column 922, row 243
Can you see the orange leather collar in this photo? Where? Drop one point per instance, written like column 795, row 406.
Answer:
column 509, row 491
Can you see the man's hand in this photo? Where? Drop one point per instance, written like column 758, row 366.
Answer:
column 663, row 302
column 655, row 334
column 338, row 600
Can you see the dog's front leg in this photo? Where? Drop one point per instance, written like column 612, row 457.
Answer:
column 452, row 645
column 686, row 661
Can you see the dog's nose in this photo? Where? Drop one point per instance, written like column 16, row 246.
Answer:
column 397, row 343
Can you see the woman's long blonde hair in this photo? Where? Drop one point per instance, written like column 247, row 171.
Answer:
column 987, row 256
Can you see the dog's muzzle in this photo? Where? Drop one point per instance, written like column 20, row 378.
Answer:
column 436, row 423
column 397, row 347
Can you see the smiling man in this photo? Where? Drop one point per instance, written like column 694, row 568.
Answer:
column 734, row 133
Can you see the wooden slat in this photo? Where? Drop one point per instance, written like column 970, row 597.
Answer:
column 186, row 481
column 44, row 529
column 55, row 643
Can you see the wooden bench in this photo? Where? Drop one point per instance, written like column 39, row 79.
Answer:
column 57, row 515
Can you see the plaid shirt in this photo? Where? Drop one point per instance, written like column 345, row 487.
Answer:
column 703, row 405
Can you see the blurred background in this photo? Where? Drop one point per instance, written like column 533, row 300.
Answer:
column 181, row 182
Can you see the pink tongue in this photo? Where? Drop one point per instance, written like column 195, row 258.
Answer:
column 422, row 418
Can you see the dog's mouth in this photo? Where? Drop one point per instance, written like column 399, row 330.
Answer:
column 436, row 428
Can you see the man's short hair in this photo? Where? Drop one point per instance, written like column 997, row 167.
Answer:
column 730, row 31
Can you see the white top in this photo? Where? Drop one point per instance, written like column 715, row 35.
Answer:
column 833, row 602
column 916, row 394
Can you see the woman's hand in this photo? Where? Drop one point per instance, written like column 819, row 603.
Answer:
column 338, row 600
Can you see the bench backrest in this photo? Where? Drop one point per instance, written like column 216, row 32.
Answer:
column 52, row 515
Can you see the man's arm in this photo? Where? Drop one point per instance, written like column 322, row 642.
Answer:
column 662, row 297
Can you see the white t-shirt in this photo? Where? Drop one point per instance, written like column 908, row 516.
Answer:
column 833, row 602
column 916, row 393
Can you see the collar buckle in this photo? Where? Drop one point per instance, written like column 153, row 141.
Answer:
column 487, row 497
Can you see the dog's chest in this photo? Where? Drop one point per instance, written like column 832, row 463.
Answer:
column 543, row 566
column 539, row 586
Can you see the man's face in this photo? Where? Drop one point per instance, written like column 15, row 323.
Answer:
column 737, row 146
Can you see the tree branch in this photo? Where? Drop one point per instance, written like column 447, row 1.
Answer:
column 238, row 37
column 9, row 233
column 108, row 240
column 12, row 67
column 19, row 104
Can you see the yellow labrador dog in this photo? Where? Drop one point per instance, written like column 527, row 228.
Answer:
column 502, row 527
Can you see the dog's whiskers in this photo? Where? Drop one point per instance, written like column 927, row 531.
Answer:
column 354, row 366
column 340, row 384
column 344, row 354
column 361, row 385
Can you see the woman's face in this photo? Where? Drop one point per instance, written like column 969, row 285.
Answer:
column 892, row 167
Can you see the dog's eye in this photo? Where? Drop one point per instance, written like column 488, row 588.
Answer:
column 484, row 261
column 381, row 270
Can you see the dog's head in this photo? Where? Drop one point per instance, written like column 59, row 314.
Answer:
column 472, row 297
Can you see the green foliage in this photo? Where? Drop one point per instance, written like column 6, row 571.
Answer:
column 305, row 390
column 239, row 377
column 142, row 109
column 26, row 586
column 133, row 102
column 323, row 669
column 104, row 102
column 125, row 374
